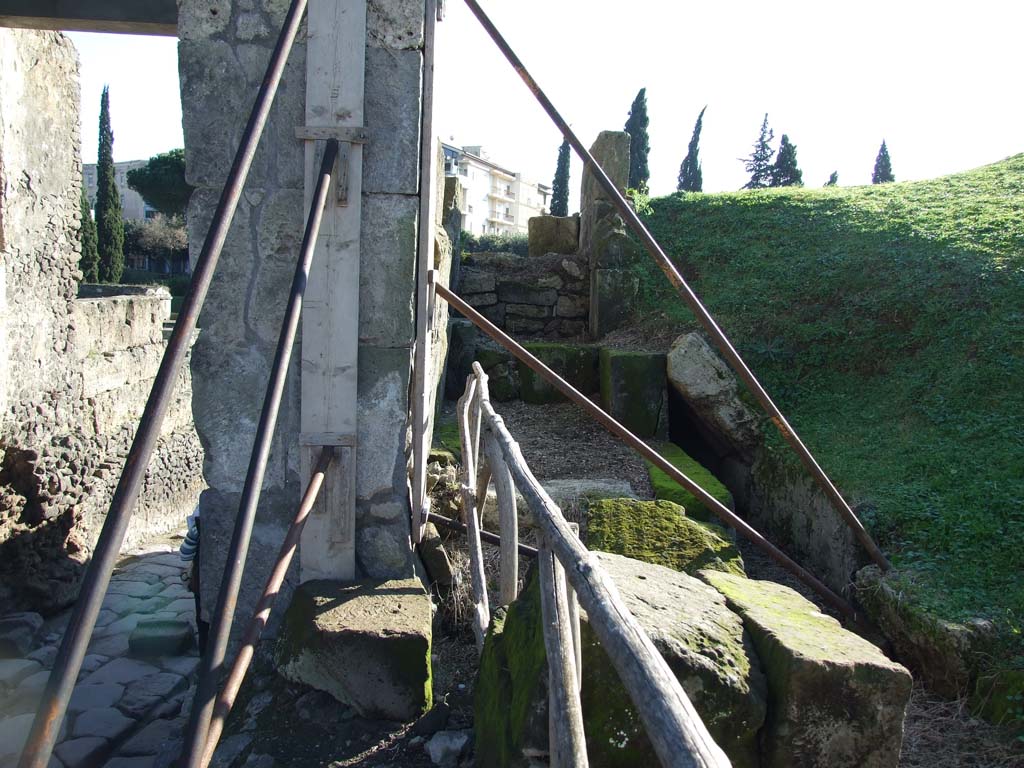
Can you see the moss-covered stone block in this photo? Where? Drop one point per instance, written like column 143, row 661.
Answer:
column 510, row 696
column 999, row 697
column 367, row 644
column 446, row 438
column 690, row 625
column 633, row 388
column 667, row 489
column 660, row 532
column 576, row 363
column 834, row 699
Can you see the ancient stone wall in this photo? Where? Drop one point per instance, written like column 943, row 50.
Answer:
column 223, row 50
column 74, row 373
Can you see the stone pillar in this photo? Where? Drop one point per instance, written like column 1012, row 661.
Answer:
column 223, row 51
column 603, row 238
column 222, row 55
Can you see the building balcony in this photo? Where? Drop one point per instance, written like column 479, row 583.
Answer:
column 503, row 193
column 501, row 217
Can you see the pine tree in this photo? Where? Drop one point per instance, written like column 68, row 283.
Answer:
column 560, row 186
column 883, row 167
column 90, row 261
column 833, row 179
column 759, row 164
column 639, row 143
column 109, row 223
column 785, row 172
column 690, row 177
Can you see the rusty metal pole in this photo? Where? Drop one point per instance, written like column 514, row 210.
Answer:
column 718, row 337
column 261, row 615
column 725, row 514
column 45, row 726
column 227, row 599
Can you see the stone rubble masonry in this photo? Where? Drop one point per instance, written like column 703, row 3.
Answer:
column 223, row 49
column 74, row 372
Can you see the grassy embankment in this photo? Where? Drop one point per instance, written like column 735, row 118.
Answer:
column 888, row 322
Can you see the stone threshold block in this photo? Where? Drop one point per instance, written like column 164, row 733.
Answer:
column 834, row 699
column 365, row 643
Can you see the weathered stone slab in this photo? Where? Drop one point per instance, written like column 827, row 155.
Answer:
column 575, row 363
column 18, row 633
column 367, row 644
column 142, row 695
column 522, row 293
column 392, row 109
column 711, row 390
column 633, row 389
column 153, row 737
column 701, row 639
column 387, row 267
column 660, row 532
column 13, row 671
column 834, row 699
column 473, row 280
column 612, row 298
column 83, row 752
column 553, row 234
column 435, row 558
column 157, row 637
column 95, row 696
column 14, row 731
column 120, row 671
column 105, row 722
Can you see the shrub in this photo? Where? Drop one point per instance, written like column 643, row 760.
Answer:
column 516, row 244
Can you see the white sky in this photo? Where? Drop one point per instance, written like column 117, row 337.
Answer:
column 939, row 80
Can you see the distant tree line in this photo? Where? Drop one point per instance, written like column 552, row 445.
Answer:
column 767, row 166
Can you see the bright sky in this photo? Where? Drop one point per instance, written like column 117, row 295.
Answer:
column 939, row 80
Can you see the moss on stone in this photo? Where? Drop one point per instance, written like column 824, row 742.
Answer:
column 446, row 437
column 665, row 488
column 659, row 532
column 633, row 388
column 511, row 668
column 575, row 363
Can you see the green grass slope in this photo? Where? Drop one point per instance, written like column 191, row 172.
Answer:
column 888, row 321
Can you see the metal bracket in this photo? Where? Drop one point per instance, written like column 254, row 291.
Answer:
column 345, row 134
column 321, row 439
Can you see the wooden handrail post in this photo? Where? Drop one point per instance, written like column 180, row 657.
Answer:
column 482, row 614
column 574, row 618
column 508, row 522
column 565, row 712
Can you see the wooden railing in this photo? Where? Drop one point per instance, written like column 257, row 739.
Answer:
column 570, row 577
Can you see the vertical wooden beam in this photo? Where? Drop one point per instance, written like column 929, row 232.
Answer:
column 335, row 62
column 424, row 265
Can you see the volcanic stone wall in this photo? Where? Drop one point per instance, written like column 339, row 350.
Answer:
column 74, row 374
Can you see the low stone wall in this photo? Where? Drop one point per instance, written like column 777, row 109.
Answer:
column 74, row 373
column 539, row 296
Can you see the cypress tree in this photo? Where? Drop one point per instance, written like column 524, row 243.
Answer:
column 109, row 223
column 639, row 143
column 759, row 164
column 560, row 186
column 785, row 172
column 833, row 179
column 90, row 261
column 690, row 177
column 883, row 167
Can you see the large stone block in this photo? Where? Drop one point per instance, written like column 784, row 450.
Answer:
column 834, row 699
column 278, row 239
column 613, row 295
column 575, row 363
column 383, row 438
column 633, row 389
column 701, row 639
column 711, row 390
column 394, row 24
column 387, row 270
column 366, row 644
column 660, row 532
column 553, row 234
column 392, row 107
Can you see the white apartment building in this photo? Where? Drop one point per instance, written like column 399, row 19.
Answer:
column 133, row 207
column 495, row 200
